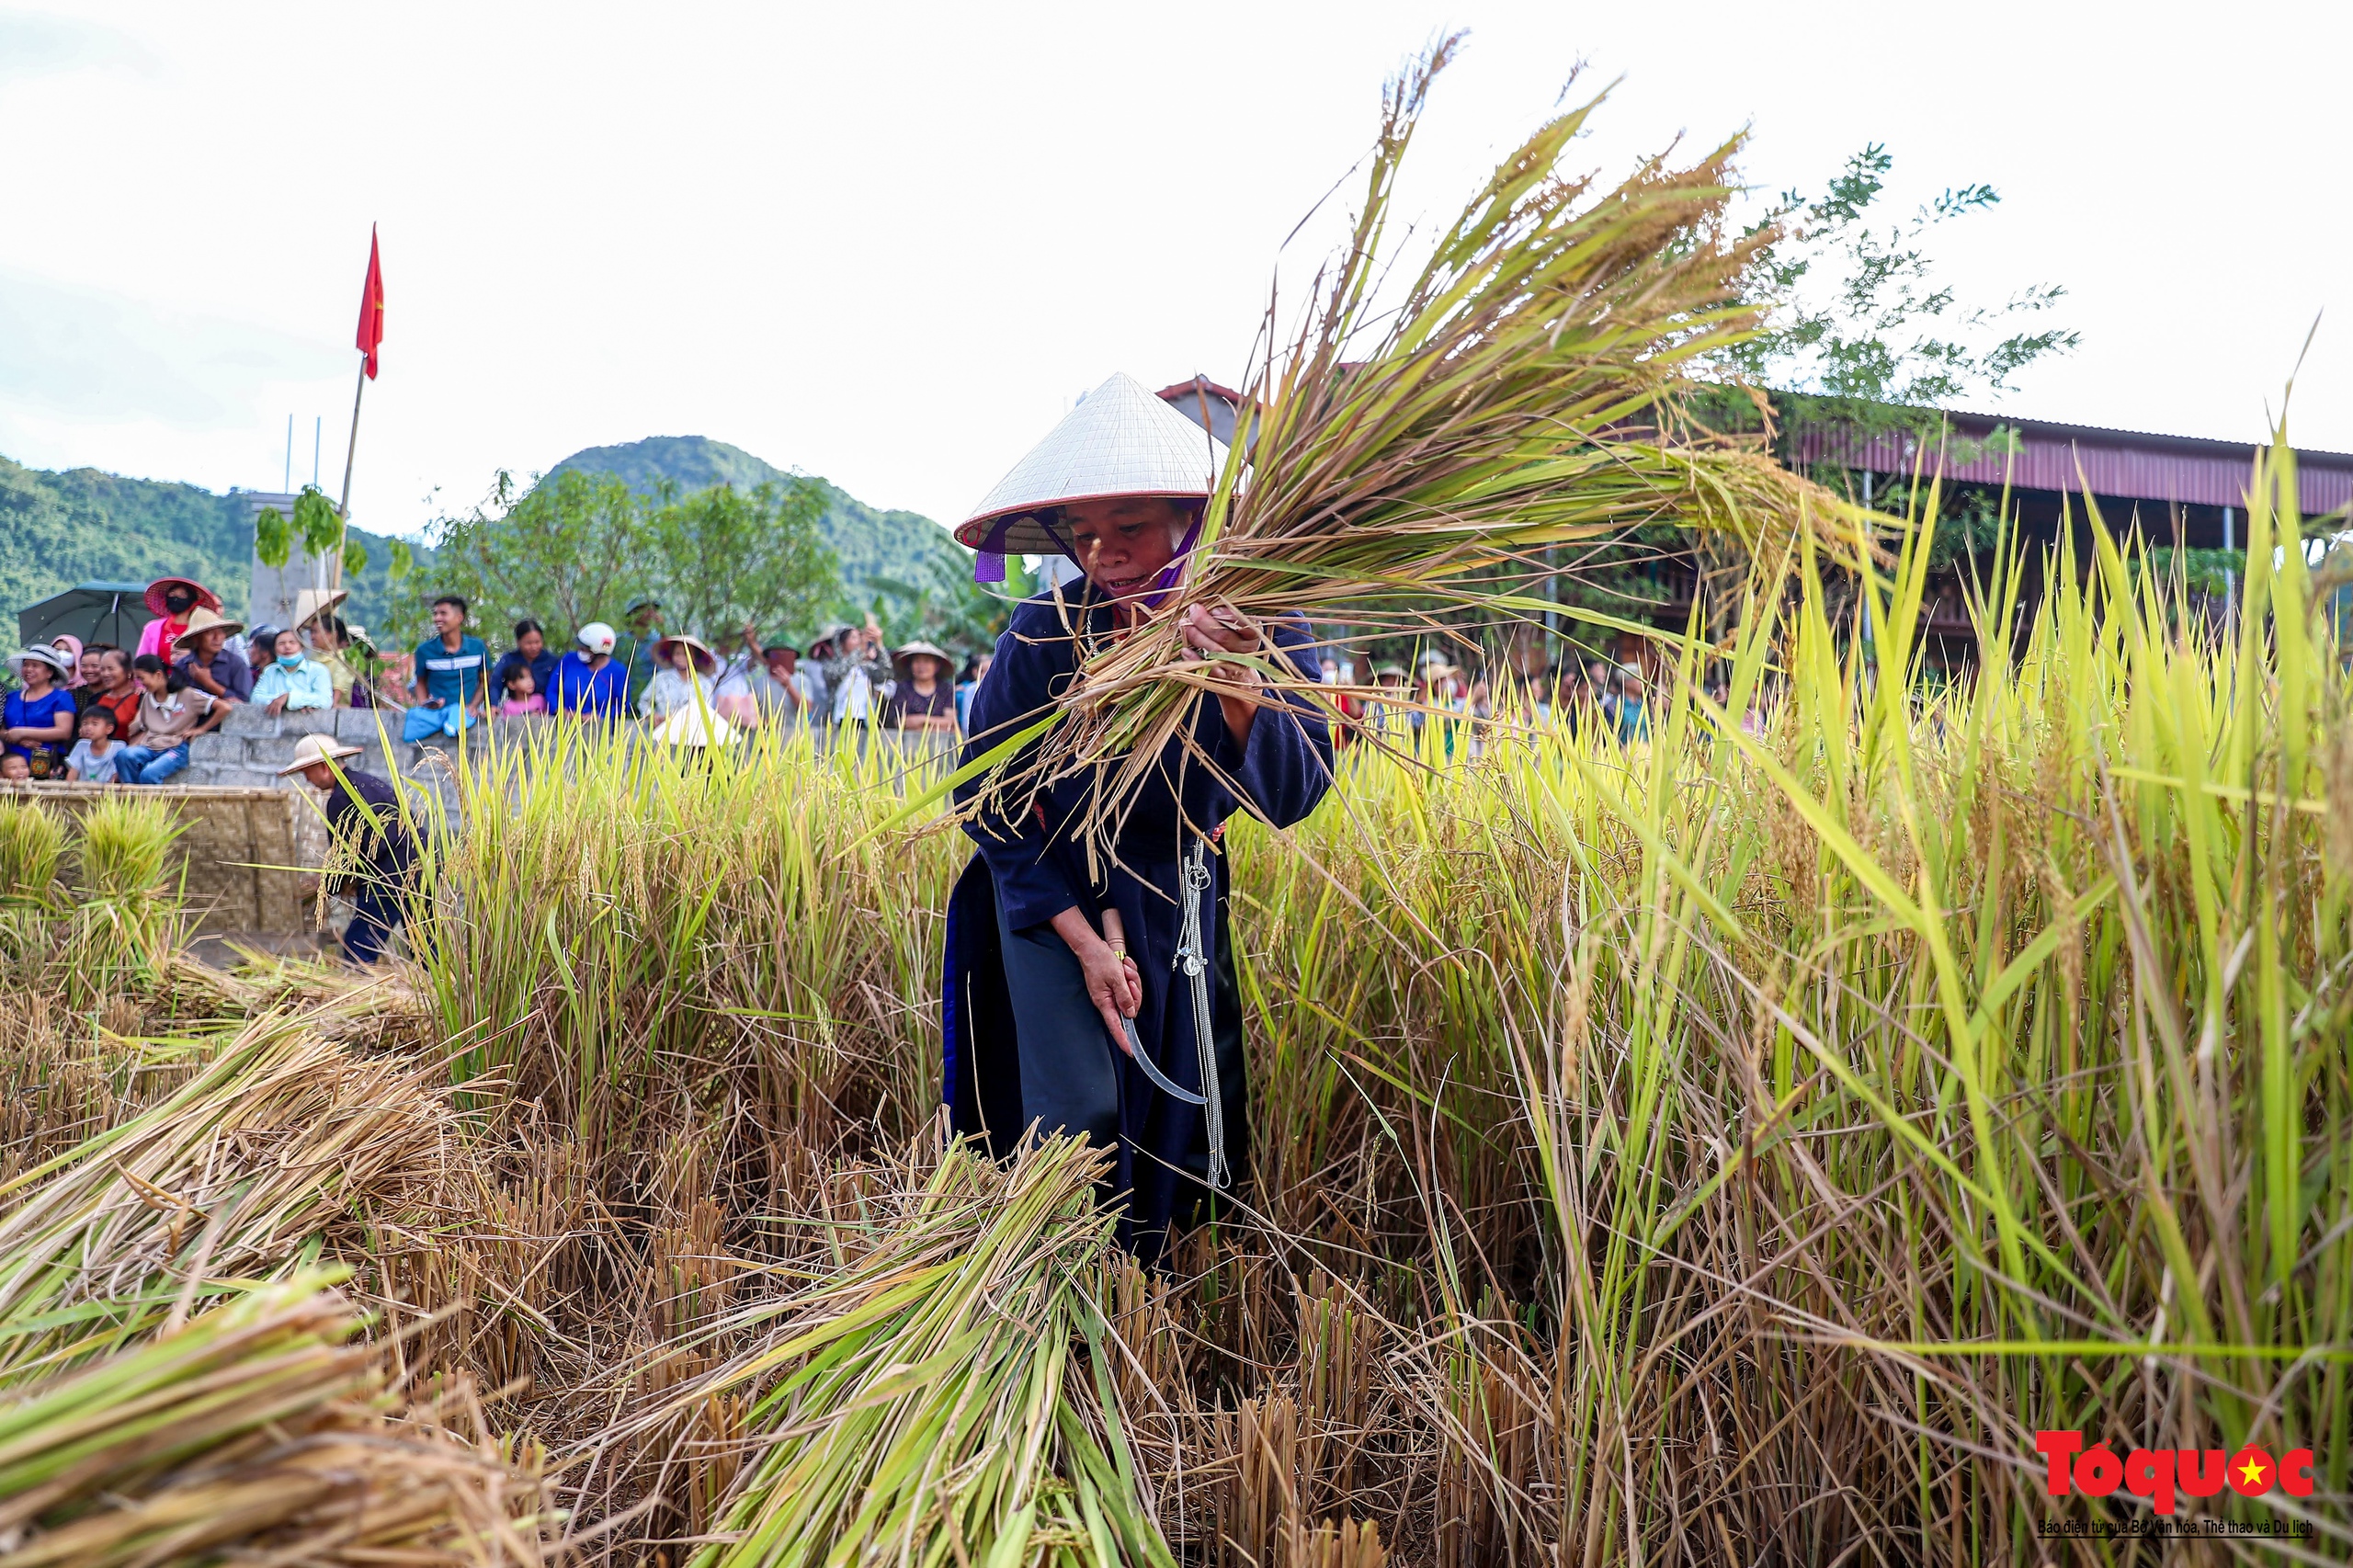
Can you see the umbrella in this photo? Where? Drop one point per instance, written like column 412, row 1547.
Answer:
column 96, row 612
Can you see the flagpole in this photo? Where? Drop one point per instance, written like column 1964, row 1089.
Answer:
column 343, row 507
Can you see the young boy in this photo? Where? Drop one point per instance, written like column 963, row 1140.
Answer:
column 94, row 758
column 15, row 769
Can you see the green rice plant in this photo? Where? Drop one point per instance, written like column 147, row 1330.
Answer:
column 1850, row 1080
column 32, row 842
column 925, row 1403
column 128, row 918
column 636, row 937
column 262, row 1430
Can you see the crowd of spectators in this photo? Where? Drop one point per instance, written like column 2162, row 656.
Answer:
column 106, row 714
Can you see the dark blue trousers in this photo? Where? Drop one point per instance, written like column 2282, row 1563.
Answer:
column 1070, row 1075
column 376, row 914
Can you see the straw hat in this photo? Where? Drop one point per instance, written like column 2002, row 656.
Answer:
column 202, row 620
column 44, row 654
column 311, row 603
column 1120, row 440
column 666, row 648
column 311, row 750
column 907, row 651
column 597, row 637
column 204, row 595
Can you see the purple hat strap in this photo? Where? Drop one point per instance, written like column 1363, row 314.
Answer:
column 1164, row 583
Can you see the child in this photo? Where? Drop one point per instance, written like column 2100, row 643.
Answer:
column 171, row 715
column 93, row 759
column 522, row 693
column 15, row 769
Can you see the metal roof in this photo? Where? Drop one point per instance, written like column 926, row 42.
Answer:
column 2122, row 464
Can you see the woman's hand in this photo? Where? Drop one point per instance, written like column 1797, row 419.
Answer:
column 1112, row 984
column 1210, row 633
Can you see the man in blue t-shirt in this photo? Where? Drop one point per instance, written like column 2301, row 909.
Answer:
column 452, row 681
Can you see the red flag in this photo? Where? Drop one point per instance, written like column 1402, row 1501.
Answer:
column 372, row 307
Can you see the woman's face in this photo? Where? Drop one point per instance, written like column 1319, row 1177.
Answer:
column 179, row 601
column 154, row 681
column 116, row 668
column 529, row 645
column 289, row 645
column 36, row 675
column 1123, row 543
column 92, row 669
column 682, row 659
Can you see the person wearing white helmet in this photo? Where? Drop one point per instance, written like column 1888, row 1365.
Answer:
column 589, row 683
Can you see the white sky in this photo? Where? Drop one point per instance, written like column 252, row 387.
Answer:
column 888, row 244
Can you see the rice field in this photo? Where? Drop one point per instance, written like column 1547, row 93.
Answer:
column 1732, row 1147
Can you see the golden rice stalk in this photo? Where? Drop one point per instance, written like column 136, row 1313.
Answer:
column 262, row 1431
column 280, row 1142
column 1519, row 403
column 923, row 1404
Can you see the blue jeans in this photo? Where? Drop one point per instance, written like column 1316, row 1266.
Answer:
column 423, row 723
column 149, row 764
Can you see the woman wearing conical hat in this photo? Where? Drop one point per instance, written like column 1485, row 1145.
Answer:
column 1078, row 995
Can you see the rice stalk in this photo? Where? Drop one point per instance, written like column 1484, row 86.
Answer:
column 279, row 1146
column 266, row 1429
column 926, row 1403
column 1454, row 444
column 127, row 919
column 32, row 842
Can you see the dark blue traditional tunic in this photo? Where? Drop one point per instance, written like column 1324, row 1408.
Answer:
column 1023, row 1042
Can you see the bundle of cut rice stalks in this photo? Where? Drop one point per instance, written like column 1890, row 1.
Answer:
column 1451, row 446
column 282, row 1145
column 262, row 1431
column 924, row 1405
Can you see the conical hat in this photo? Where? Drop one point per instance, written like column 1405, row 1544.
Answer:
column 311, row 602
column 1122, row 440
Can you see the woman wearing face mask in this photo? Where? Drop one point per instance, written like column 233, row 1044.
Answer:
column 293, row 682
column 170, row 600
column 1096, row 993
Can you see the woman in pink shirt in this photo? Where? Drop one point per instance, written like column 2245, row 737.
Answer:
column 172, row 600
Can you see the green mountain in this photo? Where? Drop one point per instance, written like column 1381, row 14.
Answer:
column 84, row 526
column 873, row 544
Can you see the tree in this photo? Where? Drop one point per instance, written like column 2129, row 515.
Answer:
column 566, row 551
column 722, row 557
column 1858, row 331
column 578, row 547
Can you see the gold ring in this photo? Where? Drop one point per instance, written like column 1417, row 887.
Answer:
column 1119, row 952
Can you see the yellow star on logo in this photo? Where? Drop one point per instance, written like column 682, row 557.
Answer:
column 2252, row 1471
